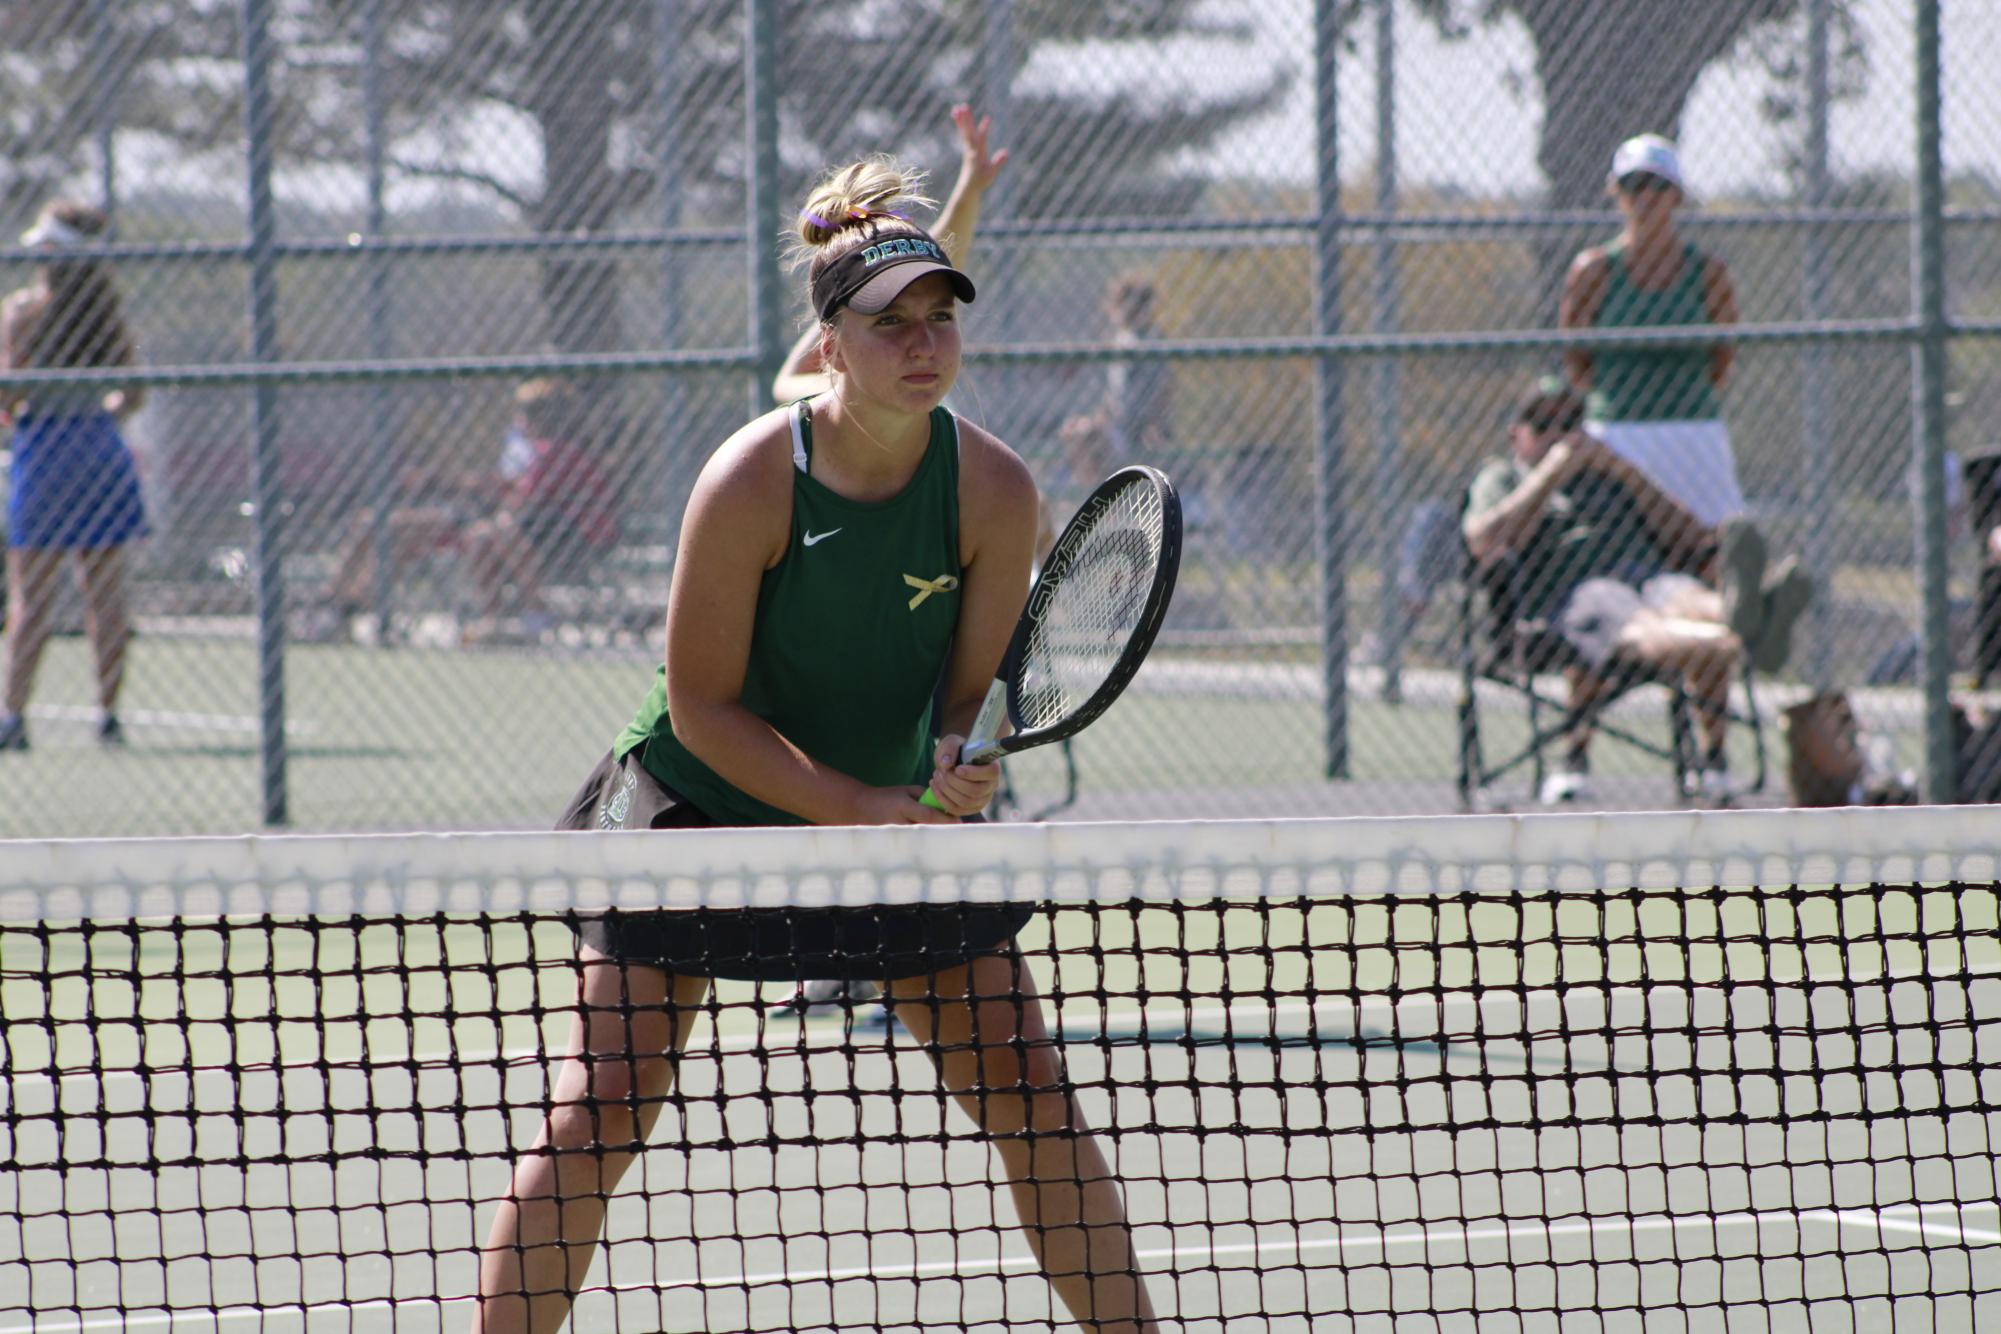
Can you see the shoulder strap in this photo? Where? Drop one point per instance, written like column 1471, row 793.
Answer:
column 802, row 436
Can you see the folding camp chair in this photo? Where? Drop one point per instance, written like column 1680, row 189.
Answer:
column 1519, row 655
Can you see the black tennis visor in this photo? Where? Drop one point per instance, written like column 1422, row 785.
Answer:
column 869, row 277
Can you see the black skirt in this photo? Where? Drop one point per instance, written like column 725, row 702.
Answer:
column 792, row 944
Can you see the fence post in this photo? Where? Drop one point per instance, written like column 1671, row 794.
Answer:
column 380, row 469
column 1330, row 527
column 761, row 94
column 996, row 82
column 106, row 79
column 1002, row 385
column 676, row 459
column 1818, row 495
column 1391, row 508
column 267, row 486
column 1928, row 411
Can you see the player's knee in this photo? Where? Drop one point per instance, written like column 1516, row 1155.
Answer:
column 611, row 1108
column 29, row 616
column 589, row 1123
column 1718, row 655
column 1021, row 1090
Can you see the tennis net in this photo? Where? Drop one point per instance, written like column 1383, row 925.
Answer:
column 1721, row 1070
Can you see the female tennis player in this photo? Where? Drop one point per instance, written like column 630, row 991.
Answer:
column 837, row 557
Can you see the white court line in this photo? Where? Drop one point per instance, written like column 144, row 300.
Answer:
column 246, row 724
column 1376, row 1241
column 1955, row 1234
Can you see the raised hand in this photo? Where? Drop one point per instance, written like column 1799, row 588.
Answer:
column 978, row 165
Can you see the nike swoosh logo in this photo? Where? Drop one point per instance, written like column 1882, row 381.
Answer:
column 812, row 537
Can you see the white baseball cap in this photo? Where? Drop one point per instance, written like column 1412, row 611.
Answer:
column 1651, row 154
column 52, row 233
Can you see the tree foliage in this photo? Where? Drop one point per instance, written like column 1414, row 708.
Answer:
column 638, row 105
column 1609, row 69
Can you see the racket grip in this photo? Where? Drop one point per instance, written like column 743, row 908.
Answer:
column 974, row 752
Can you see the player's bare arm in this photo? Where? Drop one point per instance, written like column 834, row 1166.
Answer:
column 1583, row 297
column 1671, row 523
column 1501, row 528
column 1719, row 295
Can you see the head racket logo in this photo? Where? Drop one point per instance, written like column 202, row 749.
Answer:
column 1115, row 564
column 1082, row 530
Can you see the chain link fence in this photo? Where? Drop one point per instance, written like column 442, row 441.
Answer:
column 440, row 306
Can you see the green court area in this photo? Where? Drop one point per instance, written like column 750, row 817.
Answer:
column 434, row 738
column 261, row 990
column 374, row 739
column 1631, row 1105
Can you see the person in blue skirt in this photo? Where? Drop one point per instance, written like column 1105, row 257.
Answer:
column 73, row 486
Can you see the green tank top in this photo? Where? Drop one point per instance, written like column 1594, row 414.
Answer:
column 1652, row 384
column 852, row 629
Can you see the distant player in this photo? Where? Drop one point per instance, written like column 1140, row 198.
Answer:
column 74, row 489
column 1659, row 408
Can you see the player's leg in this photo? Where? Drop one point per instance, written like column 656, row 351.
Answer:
column 1686, row 598
column 1703, row 651
column 500, row 556
column 107, row 622
column 1570, row 778
column 31, row 591
column 1588, row 618
column 631, row 1025
column 982, row 1025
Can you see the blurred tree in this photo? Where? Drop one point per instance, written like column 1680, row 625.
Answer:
column 638, row 104
column 1612, row 70
column 72, row 71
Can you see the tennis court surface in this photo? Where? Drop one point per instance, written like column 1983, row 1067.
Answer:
column 1683, row 1071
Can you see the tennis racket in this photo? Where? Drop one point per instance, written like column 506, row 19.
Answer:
column 1090, row 618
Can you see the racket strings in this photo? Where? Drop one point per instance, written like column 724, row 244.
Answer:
column 1094, row 608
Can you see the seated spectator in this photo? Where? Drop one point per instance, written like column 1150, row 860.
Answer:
column 1599, row 548
column 546, row 510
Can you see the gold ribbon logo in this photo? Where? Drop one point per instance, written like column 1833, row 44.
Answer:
column 944, row 583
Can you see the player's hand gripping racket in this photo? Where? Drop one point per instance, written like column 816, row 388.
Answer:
column 1090, row 618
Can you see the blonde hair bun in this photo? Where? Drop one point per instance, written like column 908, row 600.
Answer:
column 857, row 195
